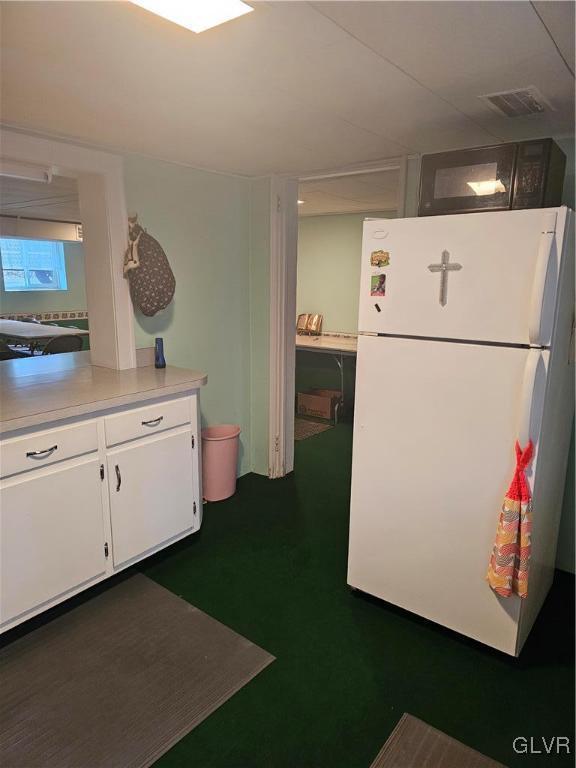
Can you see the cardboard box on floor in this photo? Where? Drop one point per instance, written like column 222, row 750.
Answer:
column 320, row 403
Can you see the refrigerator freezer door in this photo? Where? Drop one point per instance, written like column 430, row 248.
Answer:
column 434, row 433
column 478, row 277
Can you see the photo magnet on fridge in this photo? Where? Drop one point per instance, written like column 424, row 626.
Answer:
column 378, row 285
column 379, row 258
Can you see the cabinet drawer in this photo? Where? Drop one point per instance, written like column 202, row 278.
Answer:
column 21, row 454
column 141, row 422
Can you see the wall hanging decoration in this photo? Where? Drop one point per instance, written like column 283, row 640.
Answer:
column 148, row 271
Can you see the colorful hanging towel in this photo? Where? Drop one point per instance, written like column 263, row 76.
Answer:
column 510, row 560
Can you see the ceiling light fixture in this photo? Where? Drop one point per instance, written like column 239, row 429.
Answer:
column 300, row 202
column 197, row 15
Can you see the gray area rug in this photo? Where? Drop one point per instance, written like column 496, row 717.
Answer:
column 117, row 681
column 304, row 428
column 415, row 744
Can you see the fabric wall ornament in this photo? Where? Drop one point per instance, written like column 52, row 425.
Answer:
column 510, row 560
column 147, row 269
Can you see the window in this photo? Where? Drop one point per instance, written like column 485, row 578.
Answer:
column 32, row 265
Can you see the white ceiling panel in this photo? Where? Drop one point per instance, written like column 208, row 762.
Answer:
column 462, row 50
column 360, row 193
column 443, row 44
column 289, row 88
column 559, row 18
column 350, row 80
column 56, row 201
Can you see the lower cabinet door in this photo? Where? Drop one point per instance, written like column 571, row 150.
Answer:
column 151, row 493
column 51, row 535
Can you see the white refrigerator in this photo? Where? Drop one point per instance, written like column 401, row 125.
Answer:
column 466, row 343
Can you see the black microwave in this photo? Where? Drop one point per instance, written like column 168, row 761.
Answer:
column 526, row 174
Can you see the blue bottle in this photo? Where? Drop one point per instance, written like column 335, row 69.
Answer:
column 159, row 361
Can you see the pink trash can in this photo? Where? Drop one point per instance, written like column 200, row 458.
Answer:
column 219, row 461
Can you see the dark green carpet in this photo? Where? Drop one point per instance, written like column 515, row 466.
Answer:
column 271, row 564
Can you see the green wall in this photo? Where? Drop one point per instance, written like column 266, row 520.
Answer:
column 202, row 220
column 52, row 301
column 329, row 250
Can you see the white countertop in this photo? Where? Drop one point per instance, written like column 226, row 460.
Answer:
column 39, row 390
column 335, row 343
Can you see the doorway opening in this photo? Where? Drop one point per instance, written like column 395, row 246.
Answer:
column 331, row 212
column 43, row 304
column 93, row 183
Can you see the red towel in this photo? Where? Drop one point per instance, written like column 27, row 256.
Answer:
column 510, row 560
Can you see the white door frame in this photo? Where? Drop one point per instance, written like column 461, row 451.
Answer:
column 100, row 179
column 283, row 266
column 283, row 246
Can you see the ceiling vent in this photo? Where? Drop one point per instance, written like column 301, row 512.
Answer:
column 519, row 103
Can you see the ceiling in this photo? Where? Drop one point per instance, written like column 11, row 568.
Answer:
column 56, row 201
column 360, row 193
column 293, row 87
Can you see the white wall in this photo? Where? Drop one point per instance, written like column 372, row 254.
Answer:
column 33, row 302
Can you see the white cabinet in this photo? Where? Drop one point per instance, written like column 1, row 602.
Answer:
column 51, row 534
column 152, row 498
column 88, row 497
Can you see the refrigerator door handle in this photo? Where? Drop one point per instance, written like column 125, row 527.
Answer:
column 539, row 283
column 527, row 398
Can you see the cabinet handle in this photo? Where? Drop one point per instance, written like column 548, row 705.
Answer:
column 41, row 454
column 152, row 422
column 118, row 478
